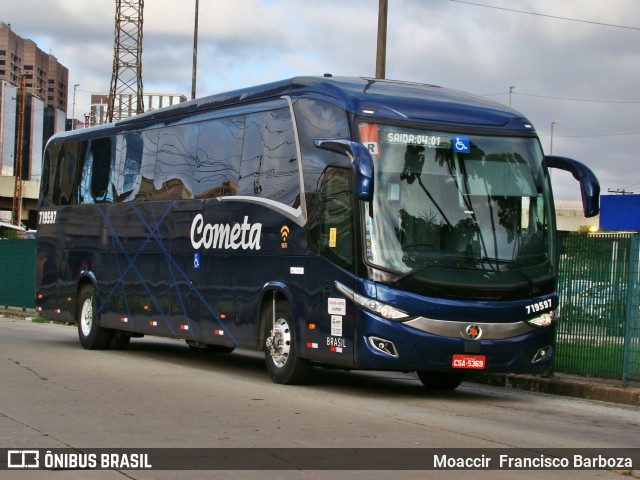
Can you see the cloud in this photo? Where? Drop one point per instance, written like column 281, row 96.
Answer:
column 477, row 49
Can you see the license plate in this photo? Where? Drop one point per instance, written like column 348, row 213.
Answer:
column 472, row 362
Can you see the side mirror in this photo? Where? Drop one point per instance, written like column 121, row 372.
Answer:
column 589, row 185
column 361, row 163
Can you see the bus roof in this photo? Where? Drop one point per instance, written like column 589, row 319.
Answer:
column 379, row 99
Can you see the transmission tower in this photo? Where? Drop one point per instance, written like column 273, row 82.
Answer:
column 125, row 94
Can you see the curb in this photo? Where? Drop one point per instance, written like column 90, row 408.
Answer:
column 27, row 314
column 569, row 387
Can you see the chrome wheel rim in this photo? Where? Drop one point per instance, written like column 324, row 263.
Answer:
column 280, row 344
column 86, row 317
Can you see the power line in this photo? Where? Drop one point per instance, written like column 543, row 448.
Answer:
column 576, row 99
column 591, row 136
column 547, row 16
column 632, row 185
column 567, row 99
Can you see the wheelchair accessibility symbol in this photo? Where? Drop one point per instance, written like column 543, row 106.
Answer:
column 461, row 144
column 196, row 260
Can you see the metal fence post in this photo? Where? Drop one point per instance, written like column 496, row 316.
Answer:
column 632, row 305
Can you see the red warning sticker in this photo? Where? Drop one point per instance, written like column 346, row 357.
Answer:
column 369, row 138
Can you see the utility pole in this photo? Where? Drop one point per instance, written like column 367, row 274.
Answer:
column 381, row 55
column 16, row 211
column 195, row 55
column 125, row 93
column 553, row 123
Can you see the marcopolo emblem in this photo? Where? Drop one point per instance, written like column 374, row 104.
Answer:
column 474, row 332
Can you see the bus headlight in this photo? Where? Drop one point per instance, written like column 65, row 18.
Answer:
column 545, row 320
column 374, row 306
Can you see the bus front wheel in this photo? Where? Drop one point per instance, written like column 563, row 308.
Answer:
column 283, row 363
column 92, row 336
column 440, row 380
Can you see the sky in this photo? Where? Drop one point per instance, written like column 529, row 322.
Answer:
column 574, row 62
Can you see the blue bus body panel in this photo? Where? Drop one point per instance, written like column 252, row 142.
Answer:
column 422, row 351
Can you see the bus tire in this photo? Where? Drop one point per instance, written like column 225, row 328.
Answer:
column 440, row 381
column 92, row 336
column 283, row 364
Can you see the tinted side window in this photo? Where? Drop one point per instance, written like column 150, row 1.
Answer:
column 219, row 153
column 128, row 159
column 100, row 151
column 48, row 166
column 176, row 162
column 318, row 119
column 269, row 165
column 68, row 165
column 336, row 230
column 84, row 189
column 146, row 190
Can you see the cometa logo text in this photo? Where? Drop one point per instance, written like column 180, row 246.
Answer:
column 224, row 236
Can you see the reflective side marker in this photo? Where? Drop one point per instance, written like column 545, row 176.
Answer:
column 219, row 332
column 312, row 345
column 56, row 310
column 336, row 349
column 184, row 327
column 124, row 320
column 153, row 323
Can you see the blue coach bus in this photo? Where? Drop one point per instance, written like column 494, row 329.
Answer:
column 347, row 222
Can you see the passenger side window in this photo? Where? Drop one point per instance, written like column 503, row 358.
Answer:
column 146, row 190
column 176, row 162
column 269, row 167
column 84, row 190
column 219, row 154
column 318, row 119
column 48, row 167
column 100, row 151
column 67, row 176
column 128, row 159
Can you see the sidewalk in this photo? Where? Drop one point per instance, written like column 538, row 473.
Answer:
column 604, row 390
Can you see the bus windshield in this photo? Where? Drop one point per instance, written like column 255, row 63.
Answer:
column 471, row 207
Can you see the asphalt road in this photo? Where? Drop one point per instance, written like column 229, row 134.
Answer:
column 158, row 394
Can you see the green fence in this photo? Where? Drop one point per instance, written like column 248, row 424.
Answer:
column 598, row 334
column 17, row 273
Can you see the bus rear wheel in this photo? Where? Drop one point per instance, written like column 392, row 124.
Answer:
column 283, row 363
column 440, row 381
column 92, row 336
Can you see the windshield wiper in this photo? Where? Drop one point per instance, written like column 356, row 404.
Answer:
column 496, row 261
column 467, row 260
column 410, row 273
column 436, row 264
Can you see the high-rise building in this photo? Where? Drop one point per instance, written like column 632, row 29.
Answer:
column 46, row 77
column 44, row 109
